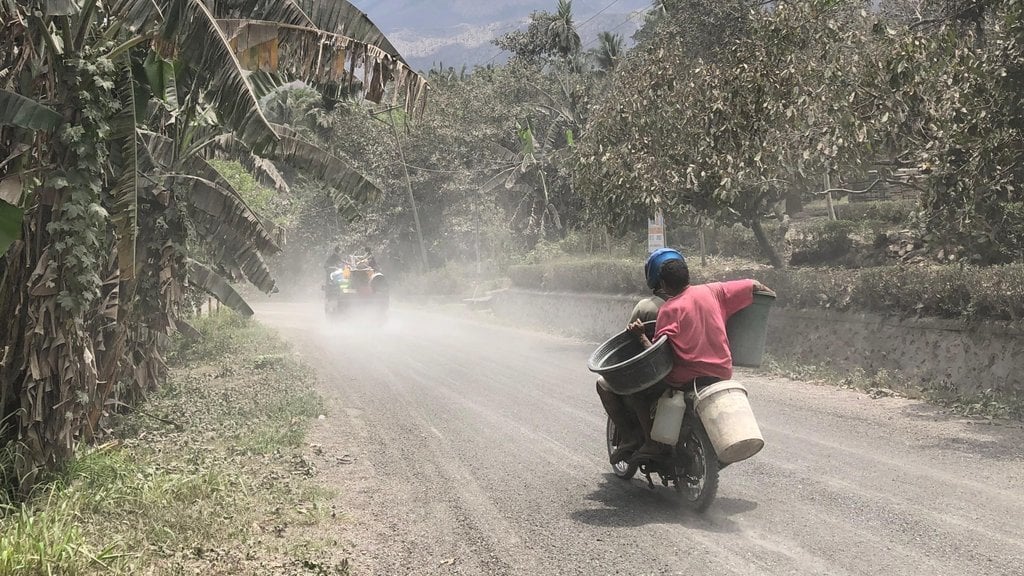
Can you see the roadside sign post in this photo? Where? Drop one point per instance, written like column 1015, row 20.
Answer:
column 656, row 232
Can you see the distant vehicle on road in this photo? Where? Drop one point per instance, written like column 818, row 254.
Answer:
column 356, row 286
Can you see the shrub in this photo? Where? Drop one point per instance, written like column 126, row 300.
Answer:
column 822, row 242
column 922, row 291
column 601, row 276
column 997, row 292
column 889, row 211
column 969, row 293
column 530, row 276
column 448, row 280
column 738, row 241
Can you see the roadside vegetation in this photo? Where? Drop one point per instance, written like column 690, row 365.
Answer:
column 209, row 477
column 899, row 150
column 114, row 217
column 967, row 293
column 858, row 157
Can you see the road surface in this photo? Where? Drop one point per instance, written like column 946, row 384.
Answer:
column 464, row 447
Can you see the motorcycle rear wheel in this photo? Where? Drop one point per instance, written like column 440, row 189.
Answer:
column 697, row 480
column 623, row 469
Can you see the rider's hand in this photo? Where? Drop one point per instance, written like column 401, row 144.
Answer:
column 636, row 327
column 758, row 287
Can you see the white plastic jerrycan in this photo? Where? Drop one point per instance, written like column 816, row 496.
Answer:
column 668, row 417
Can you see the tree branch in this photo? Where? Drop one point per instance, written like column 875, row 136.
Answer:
column 848, row 191
column 872, row 186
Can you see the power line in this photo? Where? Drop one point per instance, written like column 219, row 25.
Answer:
column 599, row 12
column 619, row 25
column 578, row 26
column 491, row 61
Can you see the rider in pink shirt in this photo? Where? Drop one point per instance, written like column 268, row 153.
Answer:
column 694, row 320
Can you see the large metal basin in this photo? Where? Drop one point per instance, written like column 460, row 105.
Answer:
column 626, row 367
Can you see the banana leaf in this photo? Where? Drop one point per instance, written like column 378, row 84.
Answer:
column 188, row 29
column 10, row 225
column 61, row 7
column 265, row 172
column 341, row 17
column 17, row 110
column 209, row 192
column 328, row 60
column 296, row 151
column 125, row 193
column 347, row 187
column 234, row 250
column 205, row 279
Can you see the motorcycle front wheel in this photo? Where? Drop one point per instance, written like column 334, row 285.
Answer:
column 621, row 469
column 697, row 471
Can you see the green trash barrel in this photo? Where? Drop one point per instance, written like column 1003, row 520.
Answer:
column 748, row 330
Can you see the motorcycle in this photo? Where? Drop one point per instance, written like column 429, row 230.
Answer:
column 691, row 468
column 692, row 465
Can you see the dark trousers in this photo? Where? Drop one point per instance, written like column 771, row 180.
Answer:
column 620, row 414
column 633, row 414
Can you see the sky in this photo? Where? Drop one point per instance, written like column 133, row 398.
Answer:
column 458, row 32
column 431, row 16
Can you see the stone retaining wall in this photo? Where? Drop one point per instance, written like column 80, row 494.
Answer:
column 978, row 357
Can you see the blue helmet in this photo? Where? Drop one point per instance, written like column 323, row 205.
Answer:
column 652, row 269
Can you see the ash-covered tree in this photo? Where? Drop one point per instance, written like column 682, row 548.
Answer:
column 609, row 51
column 548, row 35
column 950, row 86
column 720, row 122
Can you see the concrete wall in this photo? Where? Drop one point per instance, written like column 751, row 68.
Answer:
column 977, row 357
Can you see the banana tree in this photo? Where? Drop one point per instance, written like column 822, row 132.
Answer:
column 106, row 113
column 532, row 165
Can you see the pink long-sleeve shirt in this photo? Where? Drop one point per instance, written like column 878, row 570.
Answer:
column 694, row 322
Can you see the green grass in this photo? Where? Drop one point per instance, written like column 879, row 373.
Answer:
column 983, row 404
column 46, row 539
column 208, row 477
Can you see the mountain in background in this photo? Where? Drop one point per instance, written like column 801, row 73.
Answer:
column 459, row 32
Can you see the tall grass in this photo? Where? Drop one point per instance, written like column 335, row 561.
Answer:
column 186, row 484
column 44, row 536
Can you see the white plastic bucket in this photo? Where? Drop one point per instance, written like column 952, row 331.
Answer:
column 725, row 412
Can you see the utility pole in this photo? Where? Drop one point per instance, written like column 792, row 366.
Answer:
column 476, row 232
column 408, row 185
column 412, row 199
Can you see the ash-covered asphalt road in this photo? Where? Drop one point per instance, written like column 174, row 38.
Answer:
column 479, row 449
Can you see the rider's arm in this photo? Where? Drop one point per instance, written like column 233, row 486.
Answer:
column 637, row 327
column 645, row 341
column 734, row 295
